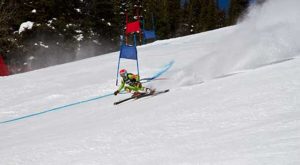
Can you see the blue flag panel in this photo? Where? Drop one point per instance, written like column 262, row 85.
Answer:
column 128, row 52
column 149, row 34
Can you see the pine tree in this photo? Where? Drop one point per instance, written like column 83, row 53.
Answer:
column 220, row 19
column 174, row 8
column 63, row 30
column 184, row 27
column 7, row 13
column 167, row 17
column 163, row 21
column 211, row 15
column 194, row 16
column 237, row 7
column 100, row 28
column 51, row 41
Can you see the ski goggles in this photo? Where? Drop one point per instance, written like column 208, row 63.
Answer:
column 124, row 74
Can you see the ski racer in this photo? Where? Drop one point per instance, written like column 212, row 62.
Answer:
column 131, row 83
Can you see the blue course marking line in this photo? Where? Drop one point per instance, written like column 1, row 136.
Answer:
column 56, row 109
column 165, row 68
column 158, row 74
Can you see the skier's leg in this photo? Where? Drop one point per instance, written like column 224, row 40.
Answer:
column 127, row 89
column 145, row 89
column 139, row 88
column 135, row 90
column 132, row 88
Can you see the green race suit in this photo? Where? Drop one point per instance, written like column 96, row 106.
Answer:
column 131, row 83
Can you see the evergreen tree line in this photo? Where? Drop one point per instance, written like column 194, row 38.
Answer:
column 68, row 30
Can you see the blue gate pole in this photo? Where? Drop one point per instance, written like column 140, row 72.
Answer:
column 143, row 31
column 153, row 25
column 118, row 67
column 121, row 48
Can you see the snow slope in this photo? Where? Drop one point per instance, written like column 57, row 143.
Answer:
column 233, row 100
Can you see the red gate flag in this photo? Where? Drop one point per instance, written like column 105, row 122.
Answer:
column 133, row 27
column 3, row 68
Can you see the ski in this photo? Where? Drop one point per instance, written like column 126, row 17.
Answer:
column 153, row 94
column 121, row 101
column 141, row 96
column 160, row 92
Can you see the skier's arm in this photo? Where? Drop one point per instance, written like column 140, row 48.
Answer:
column 121, row 86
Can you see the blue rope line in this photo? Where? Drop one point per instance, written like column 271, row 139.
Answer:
column 168, row 66
column 158, row 74
column 56, row 109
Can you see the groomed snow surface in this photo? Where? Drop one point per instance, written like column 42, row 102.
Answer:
column 234, row 100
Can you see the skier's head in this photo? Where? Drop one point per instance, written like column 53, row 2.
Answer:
column 123, row 72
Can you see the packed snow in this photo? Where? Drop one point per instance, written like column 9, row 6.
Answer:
column 234, row 99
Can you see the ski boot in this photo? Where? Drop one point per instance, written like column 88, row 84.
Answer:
column 136, row 95
column 149, row 91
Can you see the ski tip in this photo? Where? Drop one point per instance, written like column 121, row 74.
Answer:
column 164, row 91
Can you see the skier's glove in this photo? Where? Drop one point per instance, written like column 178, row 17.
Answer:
column 116, row 92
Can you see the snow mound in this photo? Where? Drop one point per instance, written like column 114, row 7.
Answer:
column 25, row 25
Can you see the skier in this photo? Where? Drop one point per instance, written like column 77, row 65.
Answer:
column 131, row 82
